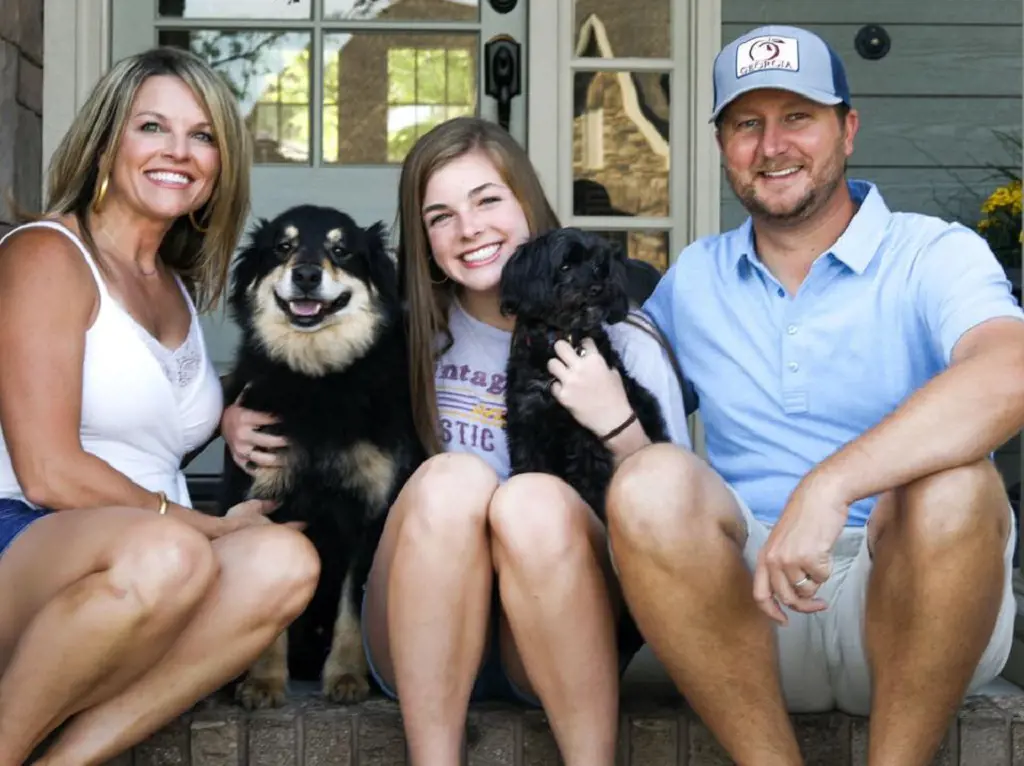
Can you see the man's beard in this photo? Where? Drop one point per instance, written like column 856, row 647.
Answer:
column 823, row 186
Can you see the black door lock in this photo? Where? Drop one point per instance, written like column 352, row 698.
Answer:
column 502, row 81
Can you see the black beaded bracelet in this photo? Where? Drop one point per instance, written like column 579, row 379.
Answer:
column 616, row 431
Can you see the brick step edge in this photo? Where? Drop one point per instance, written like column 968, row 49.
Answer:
column 989, row 731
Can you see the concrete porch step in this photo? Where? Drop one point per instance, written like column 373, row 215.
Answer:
column 657, row 729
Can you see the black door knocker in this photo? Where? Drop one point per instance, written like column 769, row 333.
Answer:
column 502, row 74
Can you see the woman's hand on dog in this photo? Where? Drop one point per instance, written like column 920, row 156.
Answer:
column 251, row 448
column 586, row 386
column 248, row 513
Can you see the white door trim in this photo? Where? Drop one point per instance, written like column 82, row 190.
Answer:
column 544, row 54
column 76, row 38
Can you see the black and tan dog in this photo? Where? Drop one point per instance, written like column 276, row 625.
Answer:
column 322, row 349
column 565, row 284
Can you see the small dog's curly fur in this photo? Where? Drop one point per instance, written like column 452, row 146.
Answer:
column 569, row 284
column 323, row 350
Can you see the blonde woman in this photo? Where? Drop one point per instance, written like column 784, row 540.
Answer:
column 121, row 605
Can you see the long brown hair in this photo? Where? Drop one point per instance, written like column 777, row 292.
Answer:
column 425, row 290
column 85, row 156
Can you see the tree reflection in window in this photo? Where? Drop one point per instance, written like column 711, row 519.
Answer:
column 426, row 86
column 268, row 71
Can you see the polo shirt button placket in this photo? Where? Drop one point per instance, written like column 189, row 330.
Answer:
column 794, row 392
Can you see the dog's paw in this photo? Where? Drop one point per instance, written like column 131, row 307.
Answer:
column 346, row 688
column 256, row 693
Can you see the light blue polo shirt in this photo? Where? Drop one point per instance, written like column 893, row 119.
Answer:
column 786, row 380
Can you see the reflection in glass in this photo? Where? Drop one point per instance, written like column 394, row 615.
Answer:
column 403, row 10
column 620, row 144
column 234, row 9
column 270, row 76
column 619, row 30
column 650, row 246
column 383, row 91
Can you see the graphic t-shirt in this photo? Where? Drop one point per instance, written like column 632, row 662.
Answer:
column 470, row 379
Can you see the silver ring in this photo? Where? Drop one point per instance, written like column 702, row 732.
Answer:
column 802, row 581
column 581, row 352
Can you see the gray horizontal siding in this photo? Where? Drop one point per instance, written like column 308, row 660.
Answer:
column 926, row 59
column 960, row 12
column 932, row 109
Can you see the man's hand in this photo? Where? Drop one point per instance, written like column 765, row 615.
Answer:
column 797, row 558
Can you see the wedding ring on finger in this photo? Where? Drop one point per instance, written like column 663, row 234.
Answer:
column 581, row 352
column 802, row 581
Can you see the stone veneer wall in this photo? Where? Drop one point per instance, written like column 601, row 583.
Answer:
column 21, row 106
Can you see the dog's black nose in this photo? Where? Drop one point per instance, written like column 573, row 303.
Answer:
column 307, row 276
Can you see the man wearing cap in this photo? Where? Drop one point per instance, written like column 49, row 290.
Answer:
column 849, row 542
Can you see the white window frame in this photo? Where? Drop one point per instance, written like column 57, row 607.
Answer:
column 695, row 181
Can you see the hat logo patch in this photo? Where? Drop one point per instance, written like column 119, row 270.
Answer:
column 770, row 52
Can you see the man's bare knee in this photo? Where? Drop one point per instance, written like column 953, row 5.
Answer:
column 950, row 507
column 666, row 496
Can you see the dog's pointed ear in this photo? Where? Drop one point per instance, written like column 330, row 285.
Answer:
column 382, row 266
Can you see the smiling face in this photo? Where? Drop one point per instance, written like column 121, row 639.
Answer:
column 167, row 162
column 473, row 221
column 784, row 154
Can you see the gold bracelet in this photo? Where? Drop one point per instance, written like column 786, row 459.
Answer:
column 163, row 503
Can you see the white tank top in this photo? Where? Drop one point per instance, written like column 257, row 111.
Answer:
column 144, row 406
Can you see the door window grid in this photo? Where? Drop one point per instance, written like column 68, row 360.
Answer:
column 425, row 87
column 613, row 130
column 286, row 127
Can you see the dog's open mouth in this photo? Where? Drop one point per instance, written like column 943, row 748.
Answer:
column 309, row 312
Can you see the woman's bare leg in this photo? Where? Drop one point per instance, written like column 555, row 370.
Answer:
column 428, row 601
column 92, row 598
column 267, row 577
column 560, row 601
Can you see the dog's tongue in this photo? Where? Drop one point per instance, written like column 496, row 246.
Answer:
column 305, row 308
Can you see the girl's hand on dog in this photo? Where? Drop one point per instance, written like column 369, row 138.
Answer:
column 586, row 386
column 251, row 448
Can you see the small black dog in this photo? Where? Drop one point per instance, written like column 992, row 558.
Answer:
column 323, row 349
column 567, row 284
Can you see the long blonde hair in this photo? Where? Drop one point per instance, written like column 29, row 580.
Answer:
column 425, row 290
column 82, row 164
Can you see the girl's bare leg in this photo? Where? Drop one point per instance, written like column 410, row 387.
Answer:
column 560, row 601
column 428, row 601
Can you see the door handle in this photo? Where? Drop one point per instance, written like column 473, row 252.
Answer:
column 502, row 69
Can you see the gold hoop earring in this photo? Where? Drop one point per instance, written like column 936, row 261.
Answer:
column 443, row 280
column 98, row 202
column 195, row 225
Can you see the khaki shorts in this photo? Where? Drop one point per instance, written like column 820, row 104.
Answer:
column 821, row 656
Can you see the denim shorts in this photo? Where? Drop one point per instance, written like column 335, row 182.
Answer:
column 15, row 516
column 492, row 682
